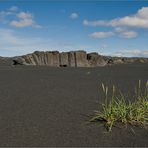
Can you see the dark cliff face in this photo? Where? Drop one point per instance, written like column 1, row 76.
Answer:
column 68, row 59
column 63, row 59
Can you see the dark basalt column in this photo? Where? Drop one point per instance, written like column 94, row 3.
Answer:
column 81, row 59
column 64, row 59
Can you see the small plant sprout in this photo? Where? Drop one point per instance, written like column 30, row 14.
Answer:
column 119, row 110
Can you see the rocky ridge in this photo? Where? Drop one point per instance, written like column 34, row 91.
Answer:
column 63, row 59
column 68, row 59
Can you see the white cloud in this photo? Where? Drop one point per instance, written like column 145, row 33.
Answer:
column 74, row 15
column 132, row 53
column 129, row 34
column 140, row 20
column 18, row 44
column 19, row 19
column 119, row 29
column 25, row 19
column 94, row 23
column 121, row 32
column 22, row 23
column 124, row 33
column 101, row 34
column 13, row 43
column 25, row 15
column 12, row 39
column 13, row 8
column 127, row 53
column 3, row 15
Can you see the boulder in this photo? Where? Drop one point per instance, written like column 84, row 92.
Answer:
column 19, row 61
column 118, row 61
column 110, row 61
column 94, row 60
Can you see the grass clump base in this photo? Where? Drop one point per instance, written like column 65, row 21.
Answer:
column 119, row 110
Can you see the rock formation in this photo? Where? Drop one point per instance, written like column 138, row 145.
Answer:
column 81, row 59
column 68, row 59
column 72, row 59
column 95, row 60
column 63, row 59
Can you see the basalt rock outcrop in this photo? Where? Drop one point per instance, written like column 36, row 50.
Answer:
column 63, row 59
column 68, row 59
column 94, row 59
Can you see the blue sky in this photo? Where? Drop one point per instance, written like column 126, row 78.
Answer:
column 118, row 28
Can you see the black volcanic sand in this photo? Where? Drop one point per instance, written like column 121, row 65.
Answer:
column 43, row 106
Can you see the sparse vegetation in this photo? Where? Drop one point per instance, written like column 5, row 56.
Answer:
column 120, row 110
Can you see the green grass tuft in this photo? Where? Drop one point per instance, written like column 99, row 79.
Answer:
column 118, row 110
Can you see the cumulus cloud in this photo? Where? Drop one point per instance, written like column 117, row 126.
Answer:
column 129, row 34
column 25, row 19
column 101, row 34
column 139, row 20
column 124, row 33
column 22, row 23
column 19, row 18
column 11, row 38
column 13, row 43
column 17, row 44
column 74, row 15
column 25, row 15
